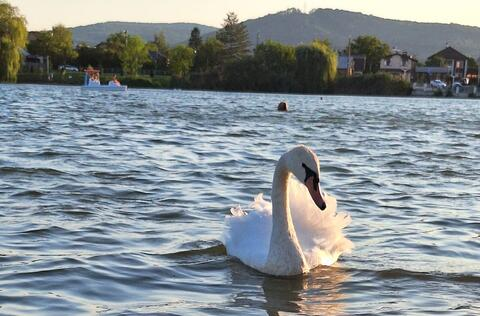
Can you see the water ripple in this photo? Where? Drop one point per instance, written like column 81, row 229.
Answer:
column 113, row 204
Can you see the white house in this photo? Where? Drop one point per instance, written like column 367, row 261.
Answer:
column 399, row 64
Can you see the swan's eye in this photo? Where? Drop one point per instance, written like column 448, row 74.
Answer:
column 310, row 173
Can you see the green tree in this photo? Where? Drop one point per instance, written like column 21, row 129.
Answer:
column 117, row 42
column 62, row 45
column 159, row 51
column 239, row 74
column 435, row 61
column 234, row 36
column 13, row 37
column 106, row 58
column 112, row 48
column 89, row 56
column 160, row 43
column 134, row 55
column 195, row 40
column 181, row 60
column 208, row 65
column 316, row 67
column 472, row 63
column 373, row 49
column 41, row 43
column 210, row 56
column 57, row 44
column 275, row 66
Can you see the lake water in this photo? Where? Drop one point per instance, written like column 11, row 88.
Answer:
column 113, row 203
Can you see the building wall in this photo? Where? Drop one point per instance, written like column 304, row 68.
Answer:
column 398, row 66
column 396, row 62
column 34, row 64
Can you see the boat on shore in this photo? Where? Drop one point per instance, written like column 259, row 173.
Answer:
column 92, row 82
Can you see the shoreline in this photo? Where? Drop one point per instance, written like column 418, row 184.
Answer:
column 262, row 92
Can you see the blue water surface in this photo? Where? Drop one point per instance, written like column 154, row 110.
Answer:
column 113, row 203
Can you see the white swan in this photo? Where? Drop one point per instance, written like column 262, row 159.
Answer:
column 298, row 231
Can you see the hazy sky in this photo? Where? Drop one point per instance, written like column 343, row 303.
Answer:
column 42, row 14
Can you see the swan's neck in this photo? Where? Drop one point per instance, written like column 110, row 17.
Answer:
column 285, row 254
column 282, row 218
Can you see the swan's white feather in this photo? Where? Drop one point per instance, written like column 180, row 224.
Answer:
column 247, row 233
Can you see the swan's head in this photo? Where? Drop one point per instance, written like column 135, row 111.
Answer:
column 304, row 164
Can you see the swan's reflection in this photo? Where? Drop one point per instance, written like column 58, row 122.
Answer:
column 317, row 293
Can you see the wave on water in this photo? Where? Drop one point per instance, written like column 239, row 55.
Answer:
column 440, row 277
column 114, row 203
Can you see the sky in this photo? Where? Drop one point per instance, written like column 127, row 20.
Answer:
column 43, row 14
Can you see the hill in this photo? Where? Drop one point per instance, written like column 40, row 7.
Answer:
column 421, row 39
column 174, row 32
column 294, row 27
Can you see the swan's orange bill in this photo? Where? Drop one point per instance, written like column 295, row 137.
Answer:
column 315, row 193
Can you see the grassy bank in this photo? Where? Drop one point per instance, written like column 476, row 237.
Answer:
column 370, row 84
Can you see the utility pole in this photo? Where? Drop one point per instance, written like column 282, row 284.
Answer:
column 48, row 67
column 478, row 72
column 349, row 57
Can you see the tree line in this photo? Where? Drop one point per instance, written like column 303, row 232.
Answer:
column 223, row 61
column 13, row 37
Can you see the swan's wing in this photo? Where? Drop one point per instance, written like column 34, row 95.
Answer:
column 237, row 211
column 247, row 233
column 319, row 232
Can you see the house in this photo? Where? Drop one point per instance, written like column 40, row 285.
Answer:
column 456, row 62
column 350, row 65
column 34, row 63
column 400, row 64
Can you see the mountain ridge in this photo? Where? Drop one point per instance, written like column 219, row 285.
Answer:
column 95, row 33
column 419, row 38
column 294, row 27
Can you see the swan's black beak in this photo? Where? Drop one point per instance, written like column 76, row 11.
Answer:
column 314, row 189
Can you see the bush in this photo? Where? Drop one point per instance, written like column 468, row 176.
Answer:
column 162, row 82
column 206, row 80
column 372, row 84
column 68, row 78
column 438, row 93
column 449, row 93
column 32, row 78
column 239, row 75
column 146, row 82
column 136, row 82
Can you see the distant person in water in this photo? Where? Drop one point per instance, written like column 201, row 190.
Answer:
column 282, row 106
column 94, row 80
column 114, row 81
